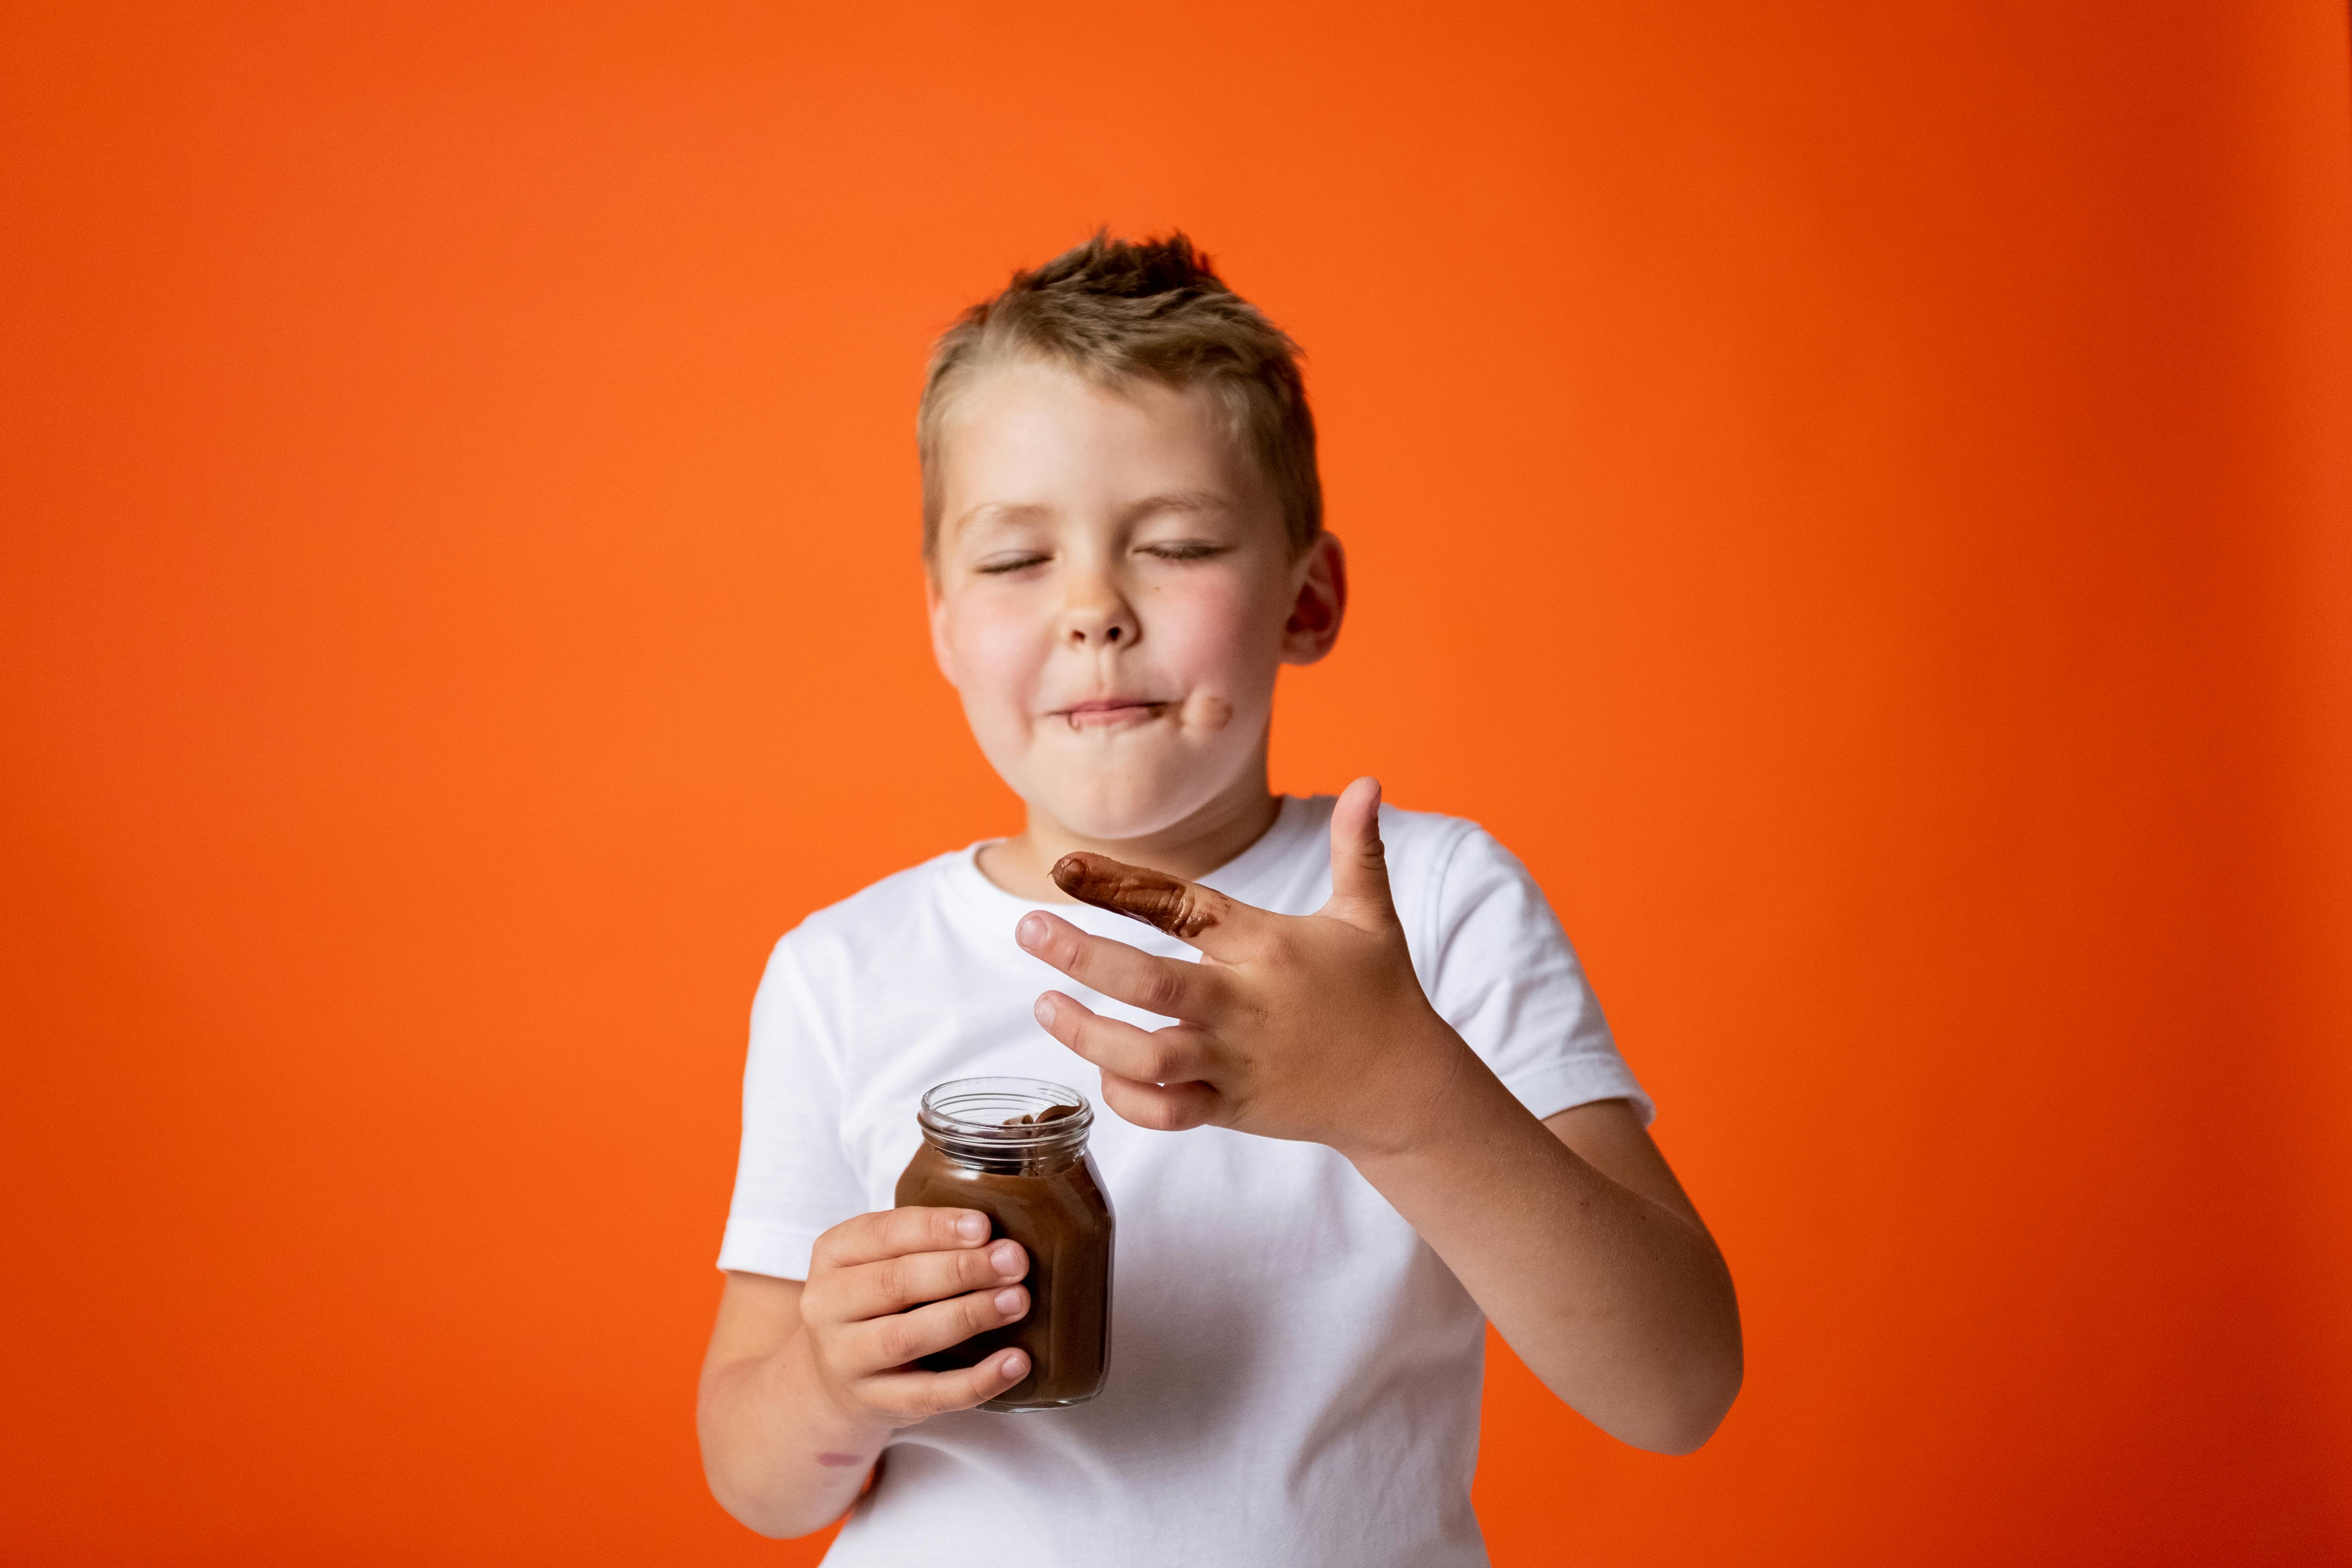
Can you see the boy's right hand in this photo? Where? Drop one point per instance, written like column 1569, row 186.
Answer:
column 885, row 1289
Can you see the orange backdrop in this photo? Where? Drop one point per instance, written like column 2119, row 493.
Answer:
column 1854, row 493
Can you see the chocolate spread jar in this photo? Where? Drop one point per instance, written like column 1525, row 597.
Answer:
column 1015, row 1148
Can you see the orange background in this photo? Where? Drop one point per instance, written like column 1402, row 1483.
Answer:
column 1854, row 493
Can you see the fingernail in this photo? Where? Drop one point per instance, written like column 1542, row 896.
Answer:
column 972, row 1227
column 1045, row 1011
column 1031, row 931
column 1008, row 1302
column 1007, row 1257
column 1015, row 1365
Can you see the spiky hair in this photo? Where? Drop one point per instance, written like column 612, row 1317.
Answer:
column 1116, row 311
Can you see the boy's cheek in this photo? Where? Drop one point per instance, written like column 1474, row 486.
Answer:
column 994, row 658
column 1004, row 730
column 1221, row 635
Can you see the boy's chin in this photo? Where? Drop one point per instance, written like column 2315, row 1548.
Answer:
column 1116, row 817
column 1119, row 826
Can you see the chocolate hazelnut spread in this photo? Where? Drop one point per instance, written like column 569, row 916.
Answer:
column 1015, row 1150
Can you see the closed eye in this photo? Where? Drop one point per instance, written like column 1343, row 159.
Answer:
column 1186, row 550
column 998, row 565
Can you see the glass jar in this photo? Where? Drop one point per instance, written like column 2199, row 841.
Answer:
column 1015, row 1150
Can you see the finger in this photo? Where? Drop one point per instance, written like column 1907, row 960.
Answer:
column 880, row 1344
column 1360, row 862
column 890, row 1233
column 1162, row 1107
column 895, row 1284
column 1185, row 911
column 921, row 1393
column 1171, row 987
column 1152, row 1056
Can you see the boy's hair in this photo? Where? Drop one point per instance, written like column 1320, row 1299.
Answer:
column 1115, row 311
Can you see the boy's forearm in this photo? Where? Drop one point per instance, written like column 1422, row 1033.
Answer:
column 781, row 1457
column 1620, row 1304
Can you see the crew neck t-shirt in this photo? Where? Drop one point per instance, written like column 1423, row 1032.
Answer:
column 1293, row 1375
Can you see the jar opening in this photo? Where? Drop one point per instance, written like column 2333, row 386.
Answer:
column 1004, row 1116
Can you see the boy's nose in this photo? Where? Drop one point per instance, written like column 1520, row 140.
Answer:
column 1099, row 625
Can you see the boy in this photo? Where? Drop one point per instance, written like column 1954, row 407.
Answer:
column 1386, row 1111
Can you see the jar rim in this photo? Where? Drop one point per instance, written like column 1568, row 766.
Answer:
column 975, row 1111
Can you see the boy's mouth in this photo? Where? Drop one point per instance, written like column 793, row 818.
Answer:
column 1109, row 712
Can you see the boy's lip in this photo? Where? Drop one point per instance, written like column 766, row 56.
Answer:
column 1100, row 711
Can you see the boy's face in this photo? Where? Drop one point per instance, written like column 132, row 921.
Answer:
column 1112, row 592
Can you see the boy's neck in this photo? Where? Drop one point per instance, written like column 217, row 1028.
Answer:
column 1190, row 848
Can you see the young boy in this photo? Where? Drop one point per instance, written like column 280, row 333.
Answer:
column 1364, row 1101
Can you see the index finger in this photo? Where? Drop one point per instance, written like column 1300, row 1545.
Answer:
column 1171, row 987
column 894, row 1233
column 1186, row 910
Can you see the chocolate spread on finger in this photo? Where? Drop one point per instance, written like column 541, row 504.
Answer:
column 1155, row 897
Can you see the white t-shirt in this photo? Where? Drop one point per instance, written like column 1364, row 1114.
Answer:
column 1295, row 1376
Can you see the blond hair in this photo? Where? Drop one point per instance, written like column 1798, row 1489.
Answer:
column 1115, row 311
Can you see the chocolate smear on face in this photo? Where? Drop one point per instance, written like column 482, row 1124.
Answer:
column 1155, row 897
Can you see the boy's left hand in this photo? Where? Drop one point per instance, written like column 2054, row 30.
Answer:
column 1310, row 1027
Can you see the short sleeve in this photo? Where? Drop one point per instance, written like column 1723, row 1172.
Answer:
column 1502, row 972
column 792, row 1180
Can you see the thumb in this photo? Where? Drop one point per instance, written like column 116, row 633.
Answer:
column 1360, row 862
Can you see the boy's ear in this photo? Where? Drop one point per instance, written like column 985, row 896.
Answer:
column 935, row 611
column 1319, row 601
